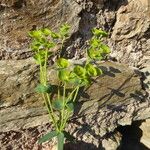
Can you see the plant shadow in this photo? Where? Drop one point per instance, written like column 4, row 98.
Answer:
column 113, row 101
column 80, row 145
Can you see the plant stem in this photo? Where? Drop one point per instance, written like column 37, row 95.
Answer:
column 76, row 93
column 43, row 80
column 65, row 121
column 47, row 106
column 76, row 90
column 52, row 112
column 45, row 67
column 70, row 95
column 63, row 109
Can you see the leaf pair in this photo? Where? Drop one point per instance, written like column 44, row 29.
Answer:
column 60, row 138
column 52, row 134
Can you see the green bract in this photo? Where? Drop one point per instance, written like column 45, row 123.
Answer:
column 55, row 35
column 63, row 75
column 60, row 99
column 79, row 71
column 95, row 54
column 105, row 49
column 99, row 33
column 46, row 32
column 91, row 70
column 62, row 63
column 64, row 30
column 70, row 106
column 36, row 34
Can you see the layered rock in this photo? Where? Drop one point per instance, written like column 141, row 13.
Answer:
column 19, row 17
column 128, row 24
column 114, row 99
column 122, row 96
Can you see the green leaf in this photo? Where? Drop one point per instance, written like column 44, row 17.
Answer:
column 58, row 104
column 60, row 138
column 36, row 34
column 99, row 71
column 50, row 45
column 91, row 70
column 69, row 137
column 95, row 42
column 105, row 48
column 79, row 71
column 62, row 63
column 46, row 32
column 70, row 106
column 94, row 54
column 35, row 46
column 63, row 75
column 85, row 82
column 48, row 137
column 99, row 32
column 55, row 35
column 73, row 78
column 64, row 30
column 39, row 59
column 43, row 89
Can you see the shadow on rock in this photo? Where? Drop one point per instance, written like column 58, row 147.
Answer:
column 80, row 145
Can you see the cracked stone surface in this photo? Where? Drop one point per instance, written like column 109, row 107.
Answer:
column 103, row 106
column 23, row 117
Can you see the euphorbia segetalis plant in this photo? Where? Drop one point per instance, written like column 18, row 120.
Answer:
column 71, row 77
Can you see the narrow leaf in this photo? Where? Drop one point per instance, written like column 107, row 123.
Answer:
column 48, row 136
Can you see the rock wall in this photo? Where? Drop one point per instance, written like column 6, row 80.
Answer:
column 128, row 25
column 126, row 21
column 114, row 99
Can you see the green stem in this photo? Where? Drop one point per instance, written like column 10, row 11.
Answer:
column 47, row 106
column 45, row 67
column 65, row 121
column 76, row 90
column 70, row 95
column 43, row 80
column 63, row 109
column 76, row 93
column 52, row 112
